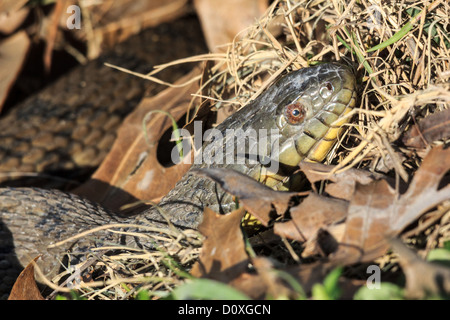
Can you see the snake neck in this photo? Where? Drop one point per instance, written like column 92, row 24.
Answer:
column 183, row 206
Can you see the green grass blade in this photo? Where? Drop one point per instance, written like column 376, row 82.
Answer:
column 398, row 35
column 176, row 132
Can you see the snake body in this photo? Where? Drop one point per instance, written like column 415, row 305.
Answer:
column 68, row 128
column 305, row 106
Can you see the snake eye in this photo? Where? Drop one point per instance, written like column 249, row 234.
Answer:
column 294, row 113
column 326, row 90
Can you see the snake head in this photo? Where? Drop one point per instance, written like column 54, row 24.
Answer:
column 311, row 114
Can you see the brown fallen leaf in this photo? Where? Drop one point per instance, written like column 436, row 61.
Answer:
column 313, row 213
column 25, row 287
column 377, row 212
column 432, row 128
column 324, row 242
column 12, row 15
column 8, row 6
column 131, row 169
column 13, row 51
column 422, row 278
column 111, row 22
column 343, row 185
column 367, row 223
column 259, row 200
column 224, row 258
column 223, row 20
column 223, row 255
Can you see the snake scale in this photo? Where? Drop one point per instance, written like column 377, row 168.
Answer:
column 305, row 107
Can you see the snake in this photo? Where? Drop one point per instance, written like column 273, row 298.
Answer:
column 67, row 129
column 305, row 110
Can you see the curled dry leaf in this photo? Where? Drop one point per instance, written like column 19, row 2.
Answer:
column 367, row 223
column 25, row 287
column 432, row 128
column 324, row 242
column 131, row 168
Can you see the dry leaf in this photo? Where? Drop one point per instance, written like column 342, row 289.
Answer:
column 25, row 287
column 114, row 21
column 324, row 242
column 343, row 185
column 261, row 201
column 432, row 128
column 131, row 169
column 13, row 52
column 367, row 223
column 8, row 6
column 422, row 278
column 223, row 255
column 315, row 212
column 12, row 15
column 52, row 31
column 224, row 258
column 377, row 211
column 223, row 20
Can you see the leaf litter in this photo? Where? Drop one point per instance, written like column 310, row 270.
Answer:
column 350, row 215
column 375, row 186
column 360, row 227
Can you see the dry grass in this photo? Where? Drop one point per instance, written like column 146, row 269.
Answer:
column 400, row 83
